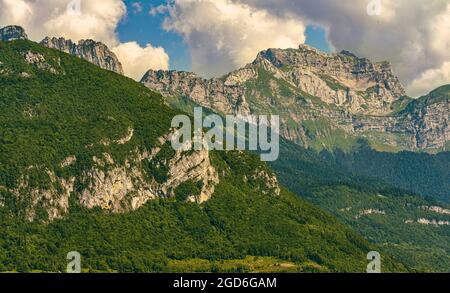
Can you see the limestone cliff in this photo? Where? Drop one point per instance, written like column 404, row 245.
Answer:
column 324, row 100
column 117, row 187
column 92, row 51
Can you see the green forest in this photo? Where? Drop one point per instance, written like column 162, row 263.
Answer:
column 398, row 184
column 61, row 106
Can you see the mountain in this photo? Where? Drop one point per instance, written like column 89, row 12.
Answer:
column 398, row 200
column 95, row 52
column 85, row 165
column 90, row 50
column 324, row 100
column 12, row 32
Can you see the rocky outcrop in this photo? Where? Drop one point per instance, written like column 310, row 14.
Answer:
column 113, row 186
column 121, row 188
column 341, row 79
column 318, row 96
column 369, row 212
column 92, row 51
column 51, row 200
column 39, row 61
column 428, row 120
column 432, row 222
column 267, row 182
column 436, row 209
column 213, row 93
column 12, row 32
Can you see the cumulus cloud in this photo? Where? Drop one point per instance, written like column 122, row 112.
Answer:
column 79, row 19
column 137, row 60
column 223, row 35
column 430, row 79
column 413, row 34
column 74, row 19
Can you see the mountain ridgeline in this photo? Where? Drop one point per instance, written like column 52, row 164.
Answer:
column 325, row 101
column 86, row 165
column 95, row 52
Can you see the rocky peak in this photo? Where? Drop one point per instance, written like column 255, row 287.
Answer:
column 90, row 50
column 345, row 64
column 370, row 86
column 12, row 32
column 210, row 93
column 353, row 95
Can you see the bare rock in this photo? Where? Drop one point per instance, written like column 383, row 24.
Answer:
column 12, row 33
column 92, row 51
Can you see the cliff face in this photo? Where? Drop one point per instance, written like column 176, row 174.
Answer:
column 214, row 93
column 324, row 100
column 118, row 187
column 92, row 51
column 12, row 32
column 341, row 79
column 428, row 119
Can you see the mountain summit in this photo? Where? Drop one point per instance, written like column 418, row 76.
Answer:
column 90, row 50
column 324, row 100
column 341, row 79
column 95, row 52
column 12, row 32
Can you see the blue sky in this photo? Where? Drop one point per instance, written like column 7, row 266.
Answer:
column 145, row 28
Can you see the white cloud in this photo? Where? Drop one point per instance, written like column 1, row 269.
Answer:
column 78, row 19
column 223, row 36
column 137, row 60
column 14, row 11
column 413, row 34
column 40, row 18
column 226, row 34
column 430, row 79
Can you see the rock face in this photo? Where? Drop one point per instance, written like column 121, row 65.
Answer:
column 323, row 99
column 428, row 119
column 213, row 94
column 12, row 32
column 126, row 187
column 120, row 187
column 92, row 51
column 39, row 61
column 340, row 79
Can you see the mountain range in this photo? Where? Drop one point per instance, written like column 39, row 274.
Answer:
column 324, row 100
column 86, row 165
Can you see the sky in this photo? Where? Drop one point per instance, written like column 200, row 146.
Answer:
column 144, row 28
column 213, row 37
column 139, row 25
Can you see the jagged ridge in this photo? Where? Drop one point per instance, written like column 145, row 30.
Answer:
column 90, row 50
column 325, row 100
